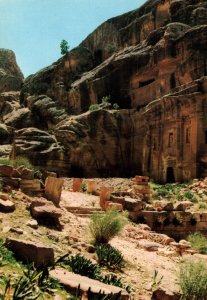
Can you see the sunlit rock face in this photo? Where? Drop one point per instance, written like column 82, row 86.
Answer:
column 152, row 63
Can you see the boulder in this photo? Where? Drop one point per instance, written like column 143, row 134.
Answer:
column 149, row 246
column 45, row 211
column 31, row 252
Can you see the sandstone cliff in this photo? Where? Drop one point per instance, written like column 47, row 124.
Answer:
column 11, row 77
column 152, row 62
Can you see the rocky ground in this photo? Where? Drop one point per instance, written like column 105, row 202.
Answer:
column 145, row 252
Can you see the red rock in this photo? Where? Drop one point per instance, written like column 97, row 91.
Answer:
column 6, row 171
column 72, row 281
column 53, row 189
column 161, row 294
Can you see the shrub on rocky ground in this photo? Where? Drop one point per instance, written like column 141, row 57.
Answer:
column 193, row 281
column 81, row 265
column 110, row 257
column 104, row 227
column 22, row 161
column 198, row 242
column 112, row 279
column 19, row 161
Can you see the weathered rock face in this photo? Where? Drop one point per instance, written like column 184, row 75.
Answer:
column 153, row 63
column 41, row 148
column 11, row 77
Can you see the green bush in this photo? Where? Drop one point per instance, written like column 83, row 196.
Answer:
column 23, row 161
column 19, row 161
column 190, row 197
column 4, row 161
column 193, row 281
column 198, row 242
column 112, row 279
column 104, row 227
column 64, row 47
column 81, row 265
column 110, row 257
column 94, row 107
column 6, row 256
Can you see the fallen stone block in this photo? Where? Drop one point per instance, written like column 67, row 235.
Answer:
column 6, row 206
column 134, row 205
column 46, row 212
column 72, row 281
column 116, row 199
column 30, row 185
column 30, row 252
column 113, row 205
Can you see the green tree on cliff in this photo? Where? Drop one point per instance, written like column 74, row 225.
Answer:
column 64, row 47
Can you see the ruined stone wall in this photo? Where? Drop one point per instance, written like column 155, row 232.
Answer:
column 174, row 145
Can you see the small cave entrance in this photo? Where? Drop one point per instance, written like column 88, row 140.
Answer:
column 172, row 81
column 146, row 82
column 98, row 57
column 170, row 175
column 76, row 171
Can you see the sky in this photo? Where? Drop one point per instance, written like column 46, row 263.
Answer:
column 33, row 29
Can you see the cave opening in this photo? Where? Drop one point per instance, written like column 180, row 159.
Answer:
column 98, row 57
column 146, row 82
column 76, row 171
column 170, row 175
column 172, row 81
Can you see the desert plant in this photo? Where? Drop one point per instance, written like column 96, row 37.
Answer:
column 190, row 197
column 22, row 161
column 193, row 281
column 26, row 288
column 81, row 265
column 198, row 242
column 4, row 161
column 104, row 227
column 156, row 281
column 101, row 296
column 112, row 279
column 84, row 187
column 6, row 256
column 94, row 107
column 109, row 256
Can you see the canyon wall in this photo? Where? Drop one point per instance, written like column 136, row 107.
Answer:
column 152, row 63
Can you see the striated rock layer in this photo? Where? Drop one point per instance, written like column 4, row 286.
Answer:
column 153, row 64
